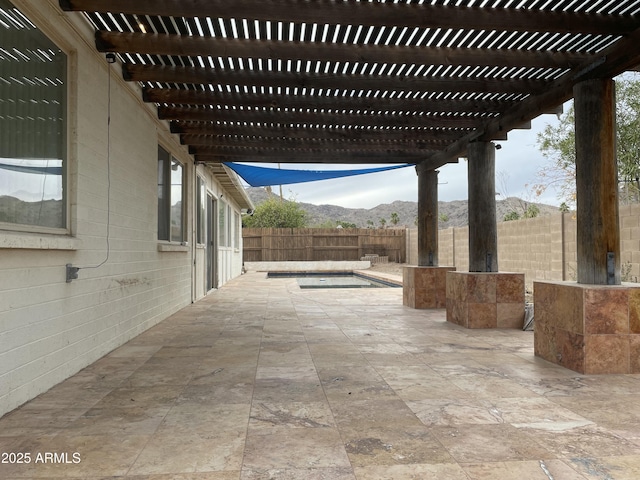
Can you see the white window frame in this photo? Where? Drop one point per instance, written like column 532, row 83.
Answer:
column 166, row 198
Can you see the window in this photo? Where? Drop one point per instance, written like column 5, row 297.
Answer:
column 170, row 198
column 222, row 224
column 236, row 230
column 201, row 202
column 33, row 118
column 229, row 225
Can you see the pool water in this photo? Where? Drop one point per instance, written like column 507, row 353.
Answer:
column 332, row 280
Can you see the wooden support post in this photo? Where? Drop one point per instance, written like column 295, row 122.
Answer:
column 483, row 229
column 597, row 183
column 427, row 218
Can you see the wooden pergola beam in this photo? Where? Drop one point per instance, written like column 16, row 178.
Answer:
column 209, row 76
column 408, row 156
column 194, row 46
column 312, row 118
column 251, row 100
column 372, row 14
column 418, row 135
column 329, row 157
column 286, row 142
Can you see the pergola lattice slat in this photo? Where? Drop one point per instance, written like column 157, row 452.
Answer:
column 286, row 142
column 333, row 133
column 202, row 97
column 178, row 45
column 207, row 76
column 372, row 14
column 291, row 117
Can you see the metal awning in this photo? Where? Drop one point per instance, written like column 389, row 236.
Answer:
column 349, row 81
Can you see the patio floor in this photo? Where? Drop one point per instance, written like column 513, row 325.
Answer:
column 262, row 380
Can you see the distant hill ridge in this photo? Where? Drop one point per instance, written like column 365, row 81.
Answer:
column 456, row 212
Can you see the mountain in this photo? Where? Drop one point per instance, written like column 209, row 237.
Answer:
column 455, row 212
column 45, row 213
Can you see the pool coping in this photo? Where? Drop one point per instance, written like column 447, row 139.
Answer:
column 390, row 280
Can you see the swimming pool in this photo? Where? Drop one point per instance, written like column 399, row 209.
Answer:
column 333, row 280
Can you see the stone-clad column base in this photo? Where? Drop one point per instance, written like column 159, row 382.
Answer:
column 588, row 328
column 485, row 300
column 425, row 287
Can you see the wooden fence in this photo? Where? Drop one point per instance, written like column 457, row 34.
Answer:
column 322, row 244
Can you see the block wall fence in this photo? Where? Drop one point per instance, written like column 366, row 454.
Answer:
column 542, row 248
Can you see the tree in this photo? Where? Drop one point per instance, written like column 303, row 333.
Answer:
column 325, row 224
column 628, row 139
column 383, row 222
column 517, row 207
column 532, row 211
column 443, row 217
column 512, row 215
column 276, row 213
column 343, row 224
column 395, row 218
column 557, row 144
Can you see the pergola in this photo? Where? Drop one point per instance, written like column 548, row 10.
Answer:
column 406, row 81
column 359, row 81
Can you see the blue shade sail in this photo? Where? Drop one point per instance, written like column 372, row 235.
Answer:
column 267, row 176
column 32, row 169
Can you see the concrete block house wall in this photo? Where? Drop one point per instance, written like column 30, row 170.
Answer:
column 51, row 329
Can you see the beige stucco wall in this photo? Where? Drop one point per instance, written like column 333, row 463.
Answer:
column 50, row 329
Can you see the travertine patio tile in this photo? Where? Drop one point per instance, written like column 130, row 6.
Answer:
column 215, row 393
column 618, row 468
column 209, row 421
column 287, row 390
column 327, row 385
column 69, row 396
column 491, row 385
column 604, row 409
column 265, row 416
column 586, row 442
column 353, row 414
column 128, row 351
column 538, row 413
column 530, row 470
column 135, row 420
column 442, row 471
column 210, row 372
column 164, row 395
column 295, row 448
column 298, row 473
column 325, row 360
column 391, row 445
column 34, row 422
column 170, row 453
column 490, row 443
column 455, row 412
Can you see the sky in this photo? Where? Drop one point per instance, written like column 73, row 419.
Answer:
column 517, row 162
